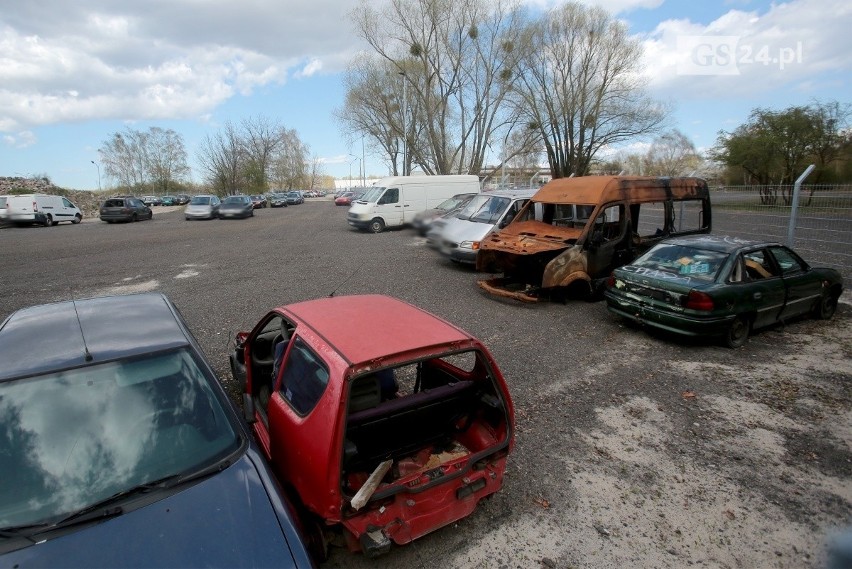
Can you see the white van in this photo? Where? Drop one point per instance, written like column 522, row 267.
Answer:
column 43, row 209
column 395, row 201
column 457, row 236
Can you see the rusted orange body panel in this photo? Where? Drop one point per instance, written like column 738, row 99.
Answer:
column 538, row 254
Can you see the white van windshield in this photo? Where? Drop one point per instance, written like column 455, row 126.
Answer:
column 372, row 195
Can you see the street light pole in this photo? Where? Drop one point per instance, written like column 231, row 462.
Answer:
column 99, row 174
column 404, row 124
column 354, row 158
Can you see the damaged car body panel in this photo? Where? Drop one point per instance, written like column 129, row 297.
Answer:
column 575, row 231
column 383, row 421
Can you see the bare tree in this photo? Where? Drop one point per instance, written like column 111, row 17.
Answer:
column 316, row 172
column 145, row 160
column 261, row 139
column 220, row 156
column 290, row 164
column 454, row 58
column 249, row 157
column 578, row 85
column 167, row 161
column 671, row 154
column 373, row 107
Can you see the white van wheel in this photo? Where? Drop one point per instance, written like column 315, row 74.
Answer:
column 377, row 225
column 48, row 221
column 77, row 219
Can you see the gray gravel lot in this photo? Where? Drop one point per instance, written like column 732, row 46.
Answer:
column 632, row 449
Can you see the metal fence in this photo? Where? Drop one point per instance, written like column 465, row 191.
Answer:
column 822, row 233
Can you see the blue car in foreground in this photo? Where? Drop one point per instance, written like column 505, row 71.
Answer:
column 120, row 448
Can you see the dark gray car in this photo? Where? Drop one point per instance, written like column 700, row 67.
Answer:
column 124, row 208
column 236, row 206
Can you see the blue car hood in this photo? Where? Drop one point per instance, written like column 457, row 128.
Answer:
column 226, row 520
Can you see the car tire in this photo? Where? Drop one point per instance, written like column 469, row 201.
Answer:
column 377, row 225
column 134, row 218
column 48, row 221
column 827, row 306
column 737, row 333
column 77, row 219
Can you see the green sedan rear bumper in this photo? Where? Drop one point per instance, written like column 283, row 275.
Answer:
column 647, row 314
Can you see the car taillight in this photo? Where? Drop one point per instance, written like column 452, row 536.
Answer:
column 125, row 210
column 35, row 206
column 610, row 281
column 696, row 300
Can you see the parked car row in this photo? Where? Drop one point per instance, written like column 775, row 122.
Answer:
column 643, row 243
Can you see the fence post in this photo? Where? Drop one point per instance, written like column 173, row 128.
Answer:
column 794, row 210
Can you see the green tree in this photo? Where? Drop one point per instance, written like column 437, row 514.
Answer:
column 774, row 147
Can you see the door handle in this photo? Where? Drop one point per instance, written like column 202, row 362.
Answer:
column 758, row 295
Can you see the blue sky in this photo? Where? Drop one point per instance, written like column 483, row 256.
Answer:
column 74, row 73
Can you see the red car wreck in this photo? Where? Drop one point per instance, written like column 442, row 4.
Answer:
column 384, row 422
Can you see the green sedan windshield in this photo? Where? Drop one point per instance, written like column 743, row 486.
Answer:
column 700, row 264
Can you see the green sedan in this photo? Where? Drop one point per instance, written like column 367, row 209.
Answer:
column 722, row 287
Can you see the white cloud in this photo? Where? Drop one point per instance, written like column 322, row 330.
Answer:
column 795, row 45
column 20, row 140
column 612, row 6
column 312, row 67
column 162, row 59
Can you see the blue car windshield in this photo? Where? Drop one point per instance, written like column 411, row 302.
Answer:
column 77, row 437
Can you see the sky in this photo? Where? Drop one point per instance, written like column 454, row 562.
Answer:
column 72, row 74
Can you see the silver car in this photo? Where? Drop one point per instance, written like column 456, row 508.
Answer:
column 202, row 207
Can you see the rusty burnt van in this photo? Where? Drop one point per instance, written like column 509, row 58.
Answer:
column 575, row 231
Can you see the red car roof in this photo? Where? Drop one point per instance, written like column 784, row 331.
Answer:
column 365, row 327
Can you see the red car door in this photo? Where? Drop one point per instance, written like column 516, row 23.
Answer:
column 303, row 413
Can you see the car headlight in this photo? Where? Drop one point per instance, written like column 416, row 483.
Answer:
column 474, row 245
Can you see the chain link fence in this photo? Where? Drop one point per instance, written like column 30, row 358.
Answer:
column 823, row 230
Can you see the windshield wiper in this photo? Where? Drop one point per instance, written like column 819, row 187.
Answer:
column 107, row 509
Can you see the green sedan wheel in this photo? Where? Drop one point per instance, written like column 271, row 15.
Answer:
column 737, row 333
column 827, row 306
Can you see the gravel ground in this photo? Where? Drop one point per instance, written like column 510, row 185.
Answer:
column 632, row 449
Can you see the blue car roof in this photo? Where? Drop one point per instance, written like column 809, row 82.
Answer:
column 50, row 337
